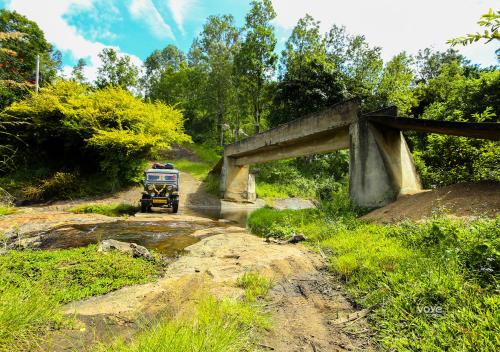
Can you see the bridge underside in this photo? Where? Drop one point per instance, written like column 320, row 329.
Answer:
column 381, row 166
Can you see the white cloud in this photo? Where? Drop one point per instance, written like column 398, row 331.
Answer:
column 396, row 25
column 49, row 15
column 145, row 10
column 179, row 9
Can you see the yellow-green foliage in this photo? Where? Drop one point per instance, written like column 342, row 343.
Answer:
column 210, row 326
column 69, row 124
column 7, row 210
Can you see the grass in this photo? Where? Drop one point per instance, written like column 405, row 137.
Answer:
column 33, row 285
column 106, row 209
column 207, row 324
column 7, row 210
column 404, row 271
column 255, row 285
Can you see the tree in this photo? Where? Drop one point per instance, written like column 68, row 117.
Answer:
column 360, row 65
column 395, row 85
column 256, row 60
column 77, row 74
column 428, row 63
column 116, row 70
column 218, row 44
column 21, row 40
column 309, row 82
column 169, row 59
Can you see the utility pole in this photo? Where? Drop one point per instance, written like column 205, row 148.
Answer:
column 37, row 78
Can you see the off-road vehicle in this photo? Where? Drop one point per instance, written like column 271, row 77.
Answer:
column 161, row 188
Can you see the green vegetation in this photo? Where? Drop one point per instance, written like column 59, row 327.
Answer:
column 210, row 325
column 431, row 286
column 7, row 210
column 255, row 285
column 107, row 132
column 207, row 324
column 106, row 209
column 33, row 285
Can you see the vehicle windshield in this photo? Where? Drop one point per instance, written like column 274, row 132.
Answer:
column 152, row 177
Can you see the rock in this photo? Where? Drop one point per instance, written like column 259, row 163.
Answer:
column 27, row 243
column 132, row 249
column 296, row 238
column 293, row 204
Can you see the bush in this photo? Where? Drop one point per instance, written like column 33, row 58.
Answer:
column 74, row 128
column 60, row 185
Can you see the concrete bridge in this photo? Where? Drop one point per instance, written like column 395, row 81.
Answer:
column 381, row 166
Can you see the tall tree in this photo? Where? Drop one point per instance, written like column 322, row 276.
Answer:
column 218, row 43
column 77, row 73
column 116, row 70
column 360, row 65
column 428, row 63
column 308, row 81
column 169, row 59
column 395, row 86
column 256, row 60
column 21, row 40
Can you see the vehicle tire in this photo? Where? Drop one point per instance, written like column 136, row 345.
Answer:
column 144, row 208
column 175, row 207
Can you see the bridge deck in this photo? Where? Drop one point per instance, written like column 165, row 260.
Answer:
column 485, row 130
column 297, row 133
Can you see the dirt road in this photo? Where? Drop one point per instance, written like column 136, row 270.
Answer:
column 308, row 308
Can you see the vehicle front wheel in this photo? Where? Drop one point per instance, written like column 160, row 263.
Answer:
column 144, row 208
column 175, row 207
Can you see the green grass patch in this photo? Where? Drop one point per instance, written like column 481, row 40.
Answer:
column 106, row 209
column 7, row 210
column 33, row 284
column 210, row 325
column 406, row 272
column 255, row 285
column 199, row 170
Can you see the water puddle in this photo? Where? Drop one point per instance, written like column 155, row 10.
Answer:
column 167, row 238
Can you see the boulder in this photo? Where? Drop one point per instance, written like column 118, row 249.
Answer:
column 132, row 249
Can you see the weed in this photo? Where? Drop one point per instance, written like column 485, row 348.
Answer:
column 256, row 286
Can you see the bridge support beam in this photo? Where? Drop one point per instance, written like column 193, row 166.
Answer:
column 237, row 184
column 381, row 166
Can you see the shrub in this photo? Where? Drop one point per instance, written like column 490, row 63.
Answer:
column 73, row 127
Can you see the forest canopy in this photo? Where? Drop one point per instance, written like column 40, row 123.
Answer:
column 230, row 84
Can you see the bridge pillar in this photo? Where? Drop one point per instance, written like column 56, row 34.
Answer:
column 237, row 184
column 381, row 166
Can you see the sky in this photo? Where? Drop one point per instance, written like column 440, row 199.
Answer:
column 82, row 28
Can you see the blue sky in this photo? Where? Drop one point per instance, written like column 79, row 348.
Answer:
column 82, row 28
